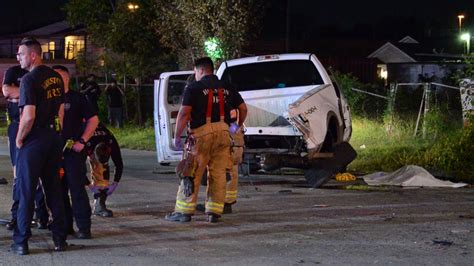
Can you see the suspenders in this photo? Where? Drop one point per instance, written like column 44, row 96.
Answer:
column 210, row 97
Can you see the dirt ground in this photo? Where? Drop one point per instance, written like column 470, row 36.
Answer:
column 278, row 220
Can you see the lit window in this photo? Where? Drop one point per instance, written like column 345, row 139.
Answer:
column 382, row 71
column 48, row 50
column 74, row 45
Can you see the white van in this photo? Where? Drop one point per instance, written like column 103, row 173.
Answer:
column 295, row 112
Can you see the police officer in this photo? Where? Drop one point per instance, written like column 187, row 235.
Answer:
column 39, row 145
column 100, row 148
column 206, row 106
column 91, row 89
column 11, row 92
column 76, row 110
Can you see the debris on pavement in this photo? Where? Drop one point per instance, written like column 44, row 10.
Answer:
column 320, row 206
column 443, row 243
column 345, row 177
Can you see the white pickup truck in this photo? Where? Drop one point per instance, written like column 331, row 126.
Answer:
column 296, row 114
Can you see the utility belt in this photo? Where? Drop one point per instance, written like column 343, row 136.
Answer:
column 54, row 125
column 10, row 120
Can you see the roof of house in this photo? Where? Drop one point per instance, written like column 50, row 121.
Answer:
column 59, row 28
column 409, row 50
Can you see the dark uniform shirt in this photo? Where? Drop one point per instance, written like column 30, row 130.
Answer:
column 76, row 109
column 114, row 97
column 13, row 77
column 196, row 96
column 44, row 88
column 92, row 91
column 102, row 134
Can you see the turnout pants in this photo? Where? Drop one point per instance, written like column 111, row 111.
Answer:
column 74, row 181
column 39, row 156
column 237, row 152
column 212, row 149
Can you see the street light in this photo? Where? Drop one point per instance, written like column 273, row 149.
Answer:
column 467, row 38
column 460, row 18
column 132, row 7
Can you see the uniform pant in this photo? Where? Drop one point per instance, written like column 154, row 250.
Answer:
column 41, row 211
column 74, row 182
column 237, row 152
column 39, row 156
column 211, row 150
column 116, row 116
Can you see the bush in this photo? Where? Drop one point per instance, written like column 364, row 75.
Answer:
column 361, row 104
column 448, row 154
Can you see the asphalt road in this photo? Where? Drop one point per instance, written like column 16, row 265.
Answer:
column 278, row 220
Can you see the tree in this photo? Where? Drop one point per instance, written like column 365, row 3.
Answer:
column 185, row 25
column 131, row 46
column 147, row 39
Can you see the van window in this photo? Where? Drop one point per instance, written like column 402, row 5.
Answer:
column 272, row 75
column 176, row 86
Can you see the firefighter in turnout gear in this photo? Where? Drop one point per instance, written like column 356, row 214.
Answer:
column 237, row 134
column 206, row 107
column 232, row 176
column 100, row 148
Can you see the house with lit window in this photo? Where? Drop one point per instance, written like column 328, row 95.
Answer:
column 60, row 43
column 408, row 60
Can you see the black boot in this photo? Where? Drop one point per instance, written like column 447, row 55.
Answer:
column 200, row 207
column 178, row 217
column 83, row 234
column 11, row 225
column 20, row 249
column 227, row 208
column 212, row 217
column 100, row 209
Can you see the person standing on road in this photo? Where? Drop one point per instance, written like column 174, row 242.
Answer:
column 232, row 176
column 39, row 145
column 237, row 134
column 11, row 92
column 76, row 110
column 92, row 91
column 115, row 104
column 100, row 148
column 206, row 106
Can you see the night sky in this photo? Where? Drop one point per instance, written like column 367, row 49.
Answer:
column 375, row 19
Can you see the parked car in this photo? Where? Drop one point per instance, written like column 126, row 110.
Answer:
column 296, row 113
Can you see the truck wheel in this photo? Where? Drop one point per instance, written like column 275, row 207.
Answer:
column 329, row 142
column 317, row 177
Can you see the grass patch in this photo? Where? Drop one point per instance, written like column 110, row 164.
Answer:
column 449, row 152
column 134, row 137
column 3, row 130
